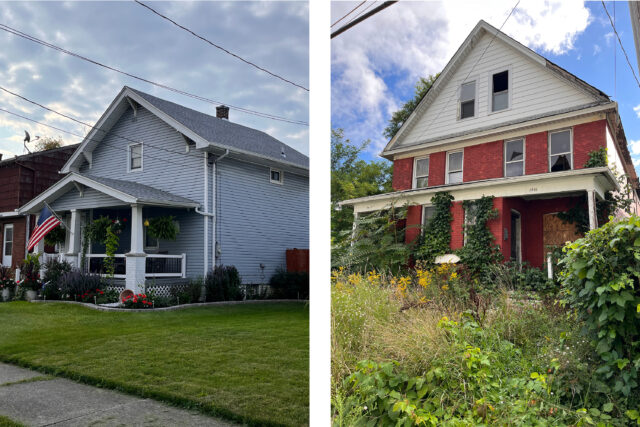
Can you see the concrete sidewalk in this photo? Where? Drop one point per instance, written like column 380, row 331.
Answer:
column 35, row 399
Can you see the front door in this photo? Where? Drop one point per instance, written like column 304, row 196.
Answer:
column 516, row 237
column 556, row 232
column 7, row 245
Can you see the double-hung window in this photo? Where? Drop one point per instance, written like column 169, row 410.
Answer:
column 470, row 214
column 514, row 157
column 428, row 211
column 468, row 100
column 500, row 91
column 454, row 167
column 135, row 157
column 560, row 151
column 421, row 172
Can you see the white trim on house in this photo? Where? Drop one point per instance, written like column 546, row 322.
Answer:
column 280, row 179
column 599, row 180
column 9, row 214
column 414, row 181
column 129, row 158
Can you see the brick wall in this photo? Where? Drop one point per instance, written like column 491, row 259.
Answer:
column 588, row 137
column 536, row 153
column 19, row 242
column 457, row 221
column 414, row 222
column 402, row 174
column 437, row 164
column 483, row 161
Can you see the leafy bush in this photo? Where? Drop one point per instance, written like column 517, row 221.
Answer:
column 6, row 278
column 223, row 284
column 54, row 270
column 480, row 249
column 514, row 276
column 601, row 283
column 163, row 227
column 289, row 285
column 190, row 293
column 76, row 283
column 436, row 238
column 30, row 273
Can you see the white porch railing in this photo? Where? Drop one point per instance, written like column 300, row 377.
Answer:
column 156, row 265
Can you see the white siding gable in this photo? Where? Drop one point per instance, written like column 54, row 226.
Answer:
column 533, row 90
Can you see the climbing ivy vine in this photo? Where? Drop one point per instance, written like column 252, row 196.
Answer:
column 436, row 239
column 480, row 249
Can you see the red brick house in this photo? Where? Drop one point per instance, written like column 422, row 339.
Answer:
column 502, row 120
column 21, row 179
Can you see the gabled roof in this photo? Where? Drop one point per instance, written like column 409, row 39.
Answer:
column 126, row 191
column 481, row 29
column 207, row 131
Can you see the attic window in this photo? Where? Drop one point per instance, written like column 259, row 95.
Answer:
column 276, row 176
column 135, row 157
column 467, row 100
column 500, row 91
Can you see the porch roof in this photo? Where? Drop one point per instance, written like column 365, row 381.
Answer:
column 598, row 179
column 127, row 192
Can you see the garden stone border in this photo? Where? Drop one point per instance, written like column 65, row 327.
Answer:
column 173, row 307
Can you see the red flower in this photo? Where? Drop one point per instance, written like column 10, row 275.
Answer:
column 124, row 219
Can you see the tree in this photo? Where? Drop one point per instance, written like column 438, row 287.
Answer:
column 400, row 116
column 48, row 143
column 352, row 177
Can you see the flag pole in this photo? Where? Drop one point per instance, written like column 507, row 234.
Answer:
column 54, row 214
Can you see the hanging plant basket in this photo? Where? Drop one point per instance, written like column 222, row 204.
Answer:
column 55, row 236
column 162, row 227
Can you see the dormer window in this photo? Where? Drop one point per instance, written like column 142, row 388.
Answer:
column 276, row 176
column 468, row 100
column 421, row 172
column 135, row 157
column 500, row 91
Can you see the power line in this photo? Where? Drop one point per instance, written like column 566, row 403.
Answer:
column 31, row 38
column 620, row 42
column 348, row 13
column 355, row 22
column 362, row 11
column 91, row 139
column 471, row 70
column 220, row 47
column 87, row 124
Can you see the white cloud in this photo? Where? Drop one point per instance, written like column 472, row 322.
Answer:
column 637, row 109
column 634, row 147
column 413, row 39
column 596, row 49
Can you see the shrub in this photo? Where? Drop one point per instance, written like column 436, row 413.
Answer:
column 52, row 275
column 293, row 285
column 513, row 276
column 223, row 284
column 600, row 276
column 436, row 238
column 30, row 273
column 187, row 294
column 6, row 278
column 76, row 283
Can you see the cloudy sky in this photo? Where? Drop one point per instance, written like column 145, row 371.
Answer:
column 376, row 64
column 125, row 35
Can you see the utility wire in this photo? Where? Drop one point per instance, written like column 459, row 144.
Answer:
column 91, row 139
column 362, row 11
column 471, row 70
column 355, row 22
column 220, row 47
column 348, row 13
column 620, row 42
column 181, row 92
column 88, row 125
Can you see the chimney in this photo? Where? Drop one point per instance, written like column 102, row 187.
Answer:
column 222, row 112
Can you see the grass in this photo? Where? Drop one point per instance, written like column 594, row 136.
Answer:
column 248, row 363
column 8, row 422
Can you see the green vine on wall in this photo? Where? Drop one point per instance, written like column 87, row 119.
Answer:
column 480, row 249
column 105, row 230
column 436, row 239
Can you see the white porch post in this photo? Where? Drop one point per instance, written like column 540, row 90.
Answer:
column 354, row 227
column 591, row 200
column 73, row 244
column 135, row 259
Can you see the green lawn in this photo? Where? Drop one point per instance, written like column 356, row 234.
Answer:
column 248, row 362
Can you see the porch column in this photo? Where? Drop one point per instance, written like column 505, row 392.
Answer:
column 135, row 259
column 73, row 244
column 354, row 227
column 591, row 200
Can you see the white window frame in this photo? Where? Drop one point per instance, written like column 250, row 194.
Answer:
column 524, row 155
column 570, row 147
column 475, row 99
column 446, row 172
column 141, row 157
column 415, row 177
column 4, row 235
column 509, row 90
column 273, row 181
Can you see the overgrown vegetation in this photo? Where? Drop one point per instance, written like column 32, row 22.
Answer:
column 436, row 237
column 223, row 284
column 480, row 249
column 289, row 285
column 399, row 117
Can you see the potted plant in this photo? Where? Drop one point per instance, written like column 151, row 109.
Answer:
column 30, row 271
column 7, row 285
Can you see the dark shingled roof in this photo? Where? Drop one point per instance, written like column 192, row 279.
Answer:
column 224, row 132
column 141, row 192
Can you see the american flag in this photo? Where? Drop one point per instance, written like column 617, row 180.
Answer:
column 47, row 221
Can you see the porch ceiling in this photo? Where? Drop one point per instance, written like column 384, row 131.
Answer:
column 539, row 186
column 126, row 192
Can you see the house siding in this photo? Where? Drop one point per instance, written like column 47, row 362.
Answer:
column 534, row 90
column 90, row 199
column 165, row 164
column 258, row 220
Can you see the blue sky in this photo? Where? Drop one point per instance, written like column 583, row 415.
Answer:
column 125, row 35
column 376, row 63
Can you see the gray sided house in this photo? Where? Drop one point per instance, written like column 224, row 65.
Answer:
column 239, row 196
